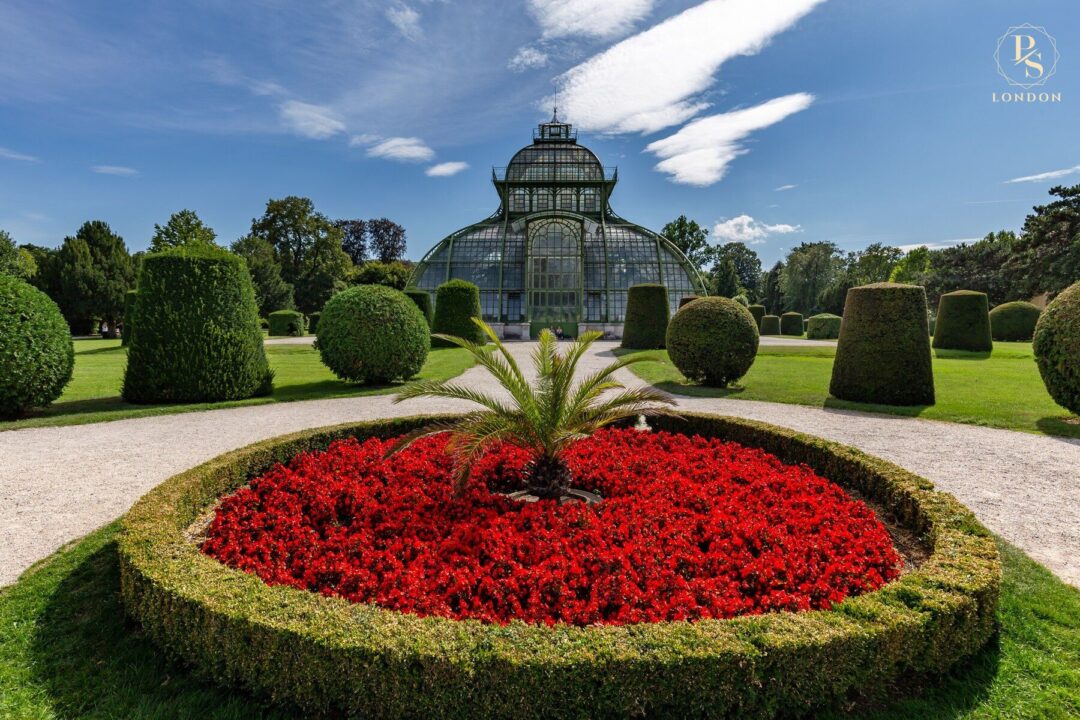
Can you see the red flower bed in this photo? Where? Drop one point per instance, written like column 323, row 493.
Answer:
column 689, row 528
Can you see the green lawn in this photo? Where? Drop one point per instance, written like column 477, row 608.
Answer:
column 93, row 395
column 1000, row 389
column 66, row 652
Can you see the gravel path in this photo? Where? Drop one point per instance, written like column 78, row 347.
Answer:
column 57, row 484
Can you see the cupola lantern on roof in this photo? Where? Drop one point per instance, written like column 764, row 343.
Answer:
column 555, row 253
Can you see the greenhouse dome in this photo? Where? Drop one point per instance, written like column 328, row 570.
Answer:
column 554, row 253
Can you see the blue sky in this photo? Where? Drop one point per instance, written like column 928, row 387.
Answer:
column 875, row 116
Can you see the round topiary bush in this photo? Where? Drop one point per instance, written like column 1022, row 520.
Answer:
column 422, row 298
column 372, row 334
column 883, row 354
column 791, row 323
column 195, row 334
column 129, row 314
column 824, row 326
column 770, row 325
column 457, row 302
column 287, row 323
column 713, row 341
column 1057, row 348
column 36, row 352
column 686, row 300
column 758, row 311
column 326, row 656
column 1014, row 321
column 647, row 314
column 963, row 322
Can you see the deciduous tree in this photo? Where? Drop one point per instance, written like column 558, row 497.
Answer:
column 183, row 228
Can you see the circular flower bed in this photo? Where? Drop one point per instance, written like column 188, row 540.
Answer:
column 690, row 528
column 326, row 655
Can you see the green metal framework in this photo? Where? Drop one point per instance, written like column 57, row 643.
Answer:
column 555, row 252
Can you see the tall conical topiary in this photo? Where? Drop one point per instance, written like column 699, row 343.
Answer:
column 963, row 322
column 195, row 335
column 758, row 311
column 457, row 302
column 883, row 354
column 647, row 314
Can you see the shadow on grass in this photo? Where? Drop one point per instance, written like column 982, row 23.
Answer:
column 1067, row 427
column 944, row 354
column 99, row 351
column 93, row 662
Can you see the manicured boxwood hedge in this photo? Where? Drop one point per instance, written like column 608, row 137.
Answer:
column 647, row 314
column 195, row 333
column 1014, row 321
column 758, row 311
column 824, row 326
column 313, row 322
column 791, row 323
column 1057, row 348
column 883, row 354
column 963, row 322
column 422, row 298
column 713, row 341
column 36, row 352
column 457, row 302
column 326, row 655
column 287, row 323
column 770, row 325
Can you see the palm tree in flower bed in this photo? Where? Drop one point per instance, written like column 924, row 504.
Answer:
column 545, row 417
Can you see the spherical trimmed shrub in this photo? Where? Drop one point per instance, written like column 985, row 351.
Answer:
column 686, row 300
column 791, row 323
column 422, row 298
column 36, row 352
column 963, row 322
column 457, row 302
column 758, row 311
column 287, row 323
column 770, row 325
column 1014, row 321
column 195, row 333
column 129, row 313
column 647, row 314
column 883, row 354
column 372, row 334
column 713, row 341
column 824, row 326
column 1057, row 348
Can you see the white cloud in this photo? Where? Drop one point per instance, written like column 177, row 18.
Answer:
column 313, row 121
column 527, row 58
column 1053, row 174
column 699, row 153
column 113, row 170
column 12, row 155
column 782, row 188
column 407, row 149
column 650, row 81
column 406, row 20
column 595, row 18
column 446, row 169
column 940, row 245
column 746, row 229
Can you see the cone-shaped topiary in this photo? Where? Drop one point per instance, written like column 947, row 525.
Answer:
column 686, row 300
column 770, row 325
column 129, row 312
column 457, row 302
column 824, row 326
column 1014, row 321
column 36, row 353
column 883, row 354
column 422, row 298
column 647, row 316
column 713, row 341
column 758, row 311
column 1057, row 348
column 287, row 323
column 791, row 323
column 963, row 322
column 313, row 322
column 372, row 334
column 195, row 333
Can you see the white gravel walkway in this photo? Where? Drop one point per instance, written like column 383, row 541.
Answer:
column 57, row 484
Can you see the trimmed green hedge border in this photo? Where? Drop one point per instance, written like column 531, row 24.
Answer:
column 287, row 323
column 326, row 655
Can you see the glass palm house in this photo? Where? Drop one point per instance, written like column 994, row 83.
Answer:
column 554, row 253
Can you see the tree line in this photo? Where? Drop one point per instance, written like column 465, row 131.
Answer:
column 1042, row 259
column 297, row 257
